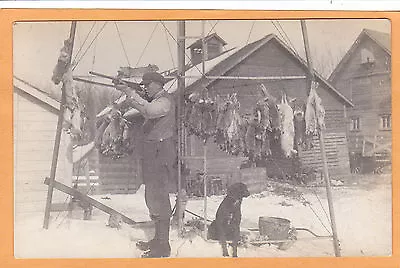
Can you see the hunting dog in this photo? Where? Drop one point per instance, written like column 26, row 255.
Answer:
column 226, row 225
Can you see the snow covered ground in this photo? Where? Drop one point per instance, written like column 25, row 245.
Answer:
column 363, row 215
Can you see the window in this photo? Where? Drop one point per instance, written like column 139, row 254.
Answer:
column 355, row 124
column 197, row 50
column 386, row 121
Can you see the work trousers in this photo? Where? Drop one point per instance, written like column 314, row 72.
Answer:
column 158, row 162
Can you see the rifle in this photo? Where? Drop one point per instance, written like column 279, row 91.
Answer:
column 117, row 80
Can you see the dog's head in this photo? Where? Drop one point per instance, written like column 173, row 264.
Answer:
column 238, row 191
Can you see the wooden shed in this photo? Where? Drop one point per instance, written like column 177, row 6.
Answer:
column 364, row 76
column 269, row 57
column 35, row 123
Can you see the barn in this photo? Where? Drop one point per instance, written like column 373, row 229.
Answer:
column 35, row 123
column 364, row 76
column 269, row 56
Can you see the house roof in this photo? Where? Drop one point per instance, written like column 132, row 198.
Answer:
column 380, row 38
column 208, row 37
column 221, row 65
column 36, row 93
column 383, row 39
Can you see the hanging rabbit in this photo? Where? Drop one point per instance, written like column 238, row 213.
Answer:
column 287, row 127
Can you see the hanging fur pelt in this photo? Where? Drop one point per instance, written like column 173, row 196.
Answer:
column 287, row 127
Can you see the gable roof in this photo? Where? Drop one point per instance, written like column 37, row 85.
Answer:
column 36, row 93
column 208, row 37
column 224, row 64
column 381, row 39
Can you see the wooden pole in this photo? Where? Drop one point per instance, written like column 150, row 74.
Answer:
column 322, row 147
column 57, row 138
column 205, row 189
column 181, row 87
column 203, row 64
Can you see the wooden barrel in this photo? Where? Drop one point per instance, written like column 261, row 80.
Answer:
column 274, row 228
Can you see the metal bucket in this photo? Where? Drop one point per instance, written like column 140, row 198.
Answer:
column 274, row 228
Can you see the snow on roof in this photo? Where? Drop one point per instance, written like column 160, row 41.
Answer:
column 35, row 92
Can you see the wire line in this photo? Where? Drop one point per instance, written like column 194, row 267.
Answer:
column 84, row 42
column 122, row 43
column 190, row 60
column 148, row 41
column 251, row 29
column 79, row 60
column 169, row 47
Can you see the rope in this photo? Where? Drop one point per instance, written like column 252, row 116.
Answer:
column 283, row 37
column 148, row 41
column 315, row 213
column 169, row 47
column 251, row 29
column 319, row 200
column 288, row 39
column 280, row 33
column 84, row 42
column 102, row 28
column 190, row 59
column 212, row 27
column 122, row 43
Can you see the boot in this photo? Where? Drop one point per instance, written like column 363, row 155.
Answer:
column 147, row 245
column 161, row 247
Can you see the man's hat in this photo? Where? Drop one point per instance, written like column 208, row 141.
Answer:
column 152, row 77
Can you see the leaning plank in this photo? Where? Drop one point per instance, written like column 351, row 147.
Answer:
column 75, row 193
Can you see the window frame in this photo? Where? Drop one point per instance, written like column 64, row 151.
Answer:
column 385, row 122
column 355, row 124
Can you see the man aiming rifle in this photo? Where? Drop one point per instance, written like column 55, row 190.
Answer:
column 158, row 108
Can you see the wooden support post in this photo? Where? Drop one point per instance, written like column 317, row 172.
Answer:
column 82, row 197
column 204, row 54
column 180, row 108
column 322, row 148
column 205, row 188
column 329, row 194
column 57, row 138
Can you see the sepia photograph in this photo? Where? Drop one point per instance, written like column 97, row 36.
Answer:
column 202, row 138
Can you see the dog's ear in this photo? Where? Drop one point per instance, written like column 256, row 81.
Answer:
column 238, row 191
column 244, row 191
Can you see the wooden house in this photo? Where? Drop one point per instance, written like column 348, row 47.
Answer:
column 270, row 57
column 364, row 76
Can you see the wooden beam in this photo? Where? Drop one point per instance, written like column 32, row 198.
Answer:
column 179, row 121
column 322, row 148
column 58, row 137
column 92, row 82
column 287, row 77
column 80, row 196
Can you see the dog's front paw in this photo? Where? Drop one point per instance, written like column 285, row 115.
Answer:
column 234, row 256
column 225, row 254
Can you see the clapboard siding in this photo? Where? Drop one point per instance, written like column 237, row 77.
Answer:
column 272, row 59
column 336, row 153
column 35, row 125
column 368, row 88
column 118, row 176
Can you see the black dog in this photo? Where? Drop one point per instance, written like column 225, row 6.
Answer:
column 226, row 225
